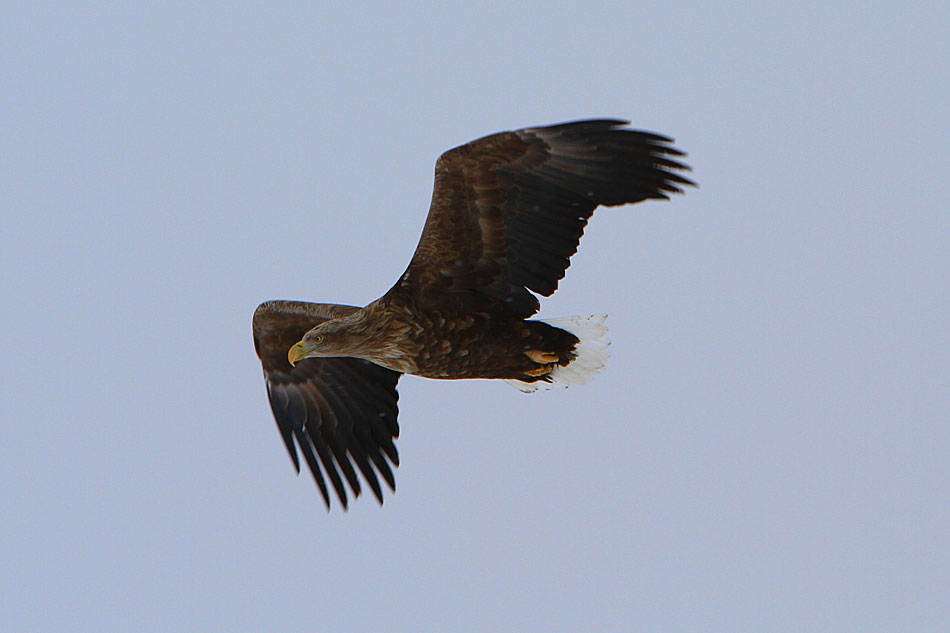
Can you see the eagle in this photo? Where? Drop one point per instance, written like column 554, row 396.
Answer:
column 507, row 213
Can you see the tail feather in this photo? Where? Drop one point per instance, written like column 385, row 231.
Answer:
column 592, row 353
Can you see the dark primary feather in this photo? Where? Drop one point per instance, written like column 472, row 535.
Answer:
column 341, row 412
column 508, row 210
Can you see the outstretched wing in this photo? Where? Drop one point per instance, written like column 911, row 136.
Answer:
column 508, row 210
column 341, row 412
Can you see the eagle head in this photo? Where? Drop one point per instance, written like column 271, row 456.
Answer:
column 333, row 338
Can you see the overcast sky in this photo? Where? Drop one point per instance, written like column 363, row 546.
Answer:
column 767, row 450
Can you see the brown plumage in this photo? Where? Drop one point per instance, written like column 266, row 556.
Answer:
column 507, row 213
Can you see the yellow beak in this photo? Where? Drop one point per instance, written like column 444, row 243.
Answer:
column 296, row 352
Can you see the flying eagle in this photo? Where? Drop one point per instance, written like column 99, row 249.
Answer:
column 507, row 213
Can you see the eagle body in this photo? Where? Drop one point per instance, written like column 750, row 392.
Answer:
column 507, row 213
column 449, row 342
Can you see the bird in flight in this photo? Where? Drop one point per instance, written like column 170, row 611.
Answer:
column 507, row 213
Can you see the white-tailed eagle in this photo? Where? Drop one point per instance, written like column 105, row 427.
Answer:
column 507, row 213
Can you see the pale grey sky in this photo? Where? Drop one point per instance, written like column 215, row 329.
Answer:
column 767, row 450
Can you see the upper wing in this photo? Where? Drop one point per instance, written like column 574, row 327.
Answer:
column 508, row 210
column 341, row 411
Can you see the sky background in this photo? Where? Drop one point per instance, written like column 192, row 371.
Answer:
column 767, row 450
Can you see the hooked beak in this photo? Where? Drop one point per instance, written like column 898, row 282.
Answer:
column 297, row 352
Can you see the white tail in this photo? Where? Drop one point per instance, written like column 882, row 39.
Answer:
column 592, row 354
